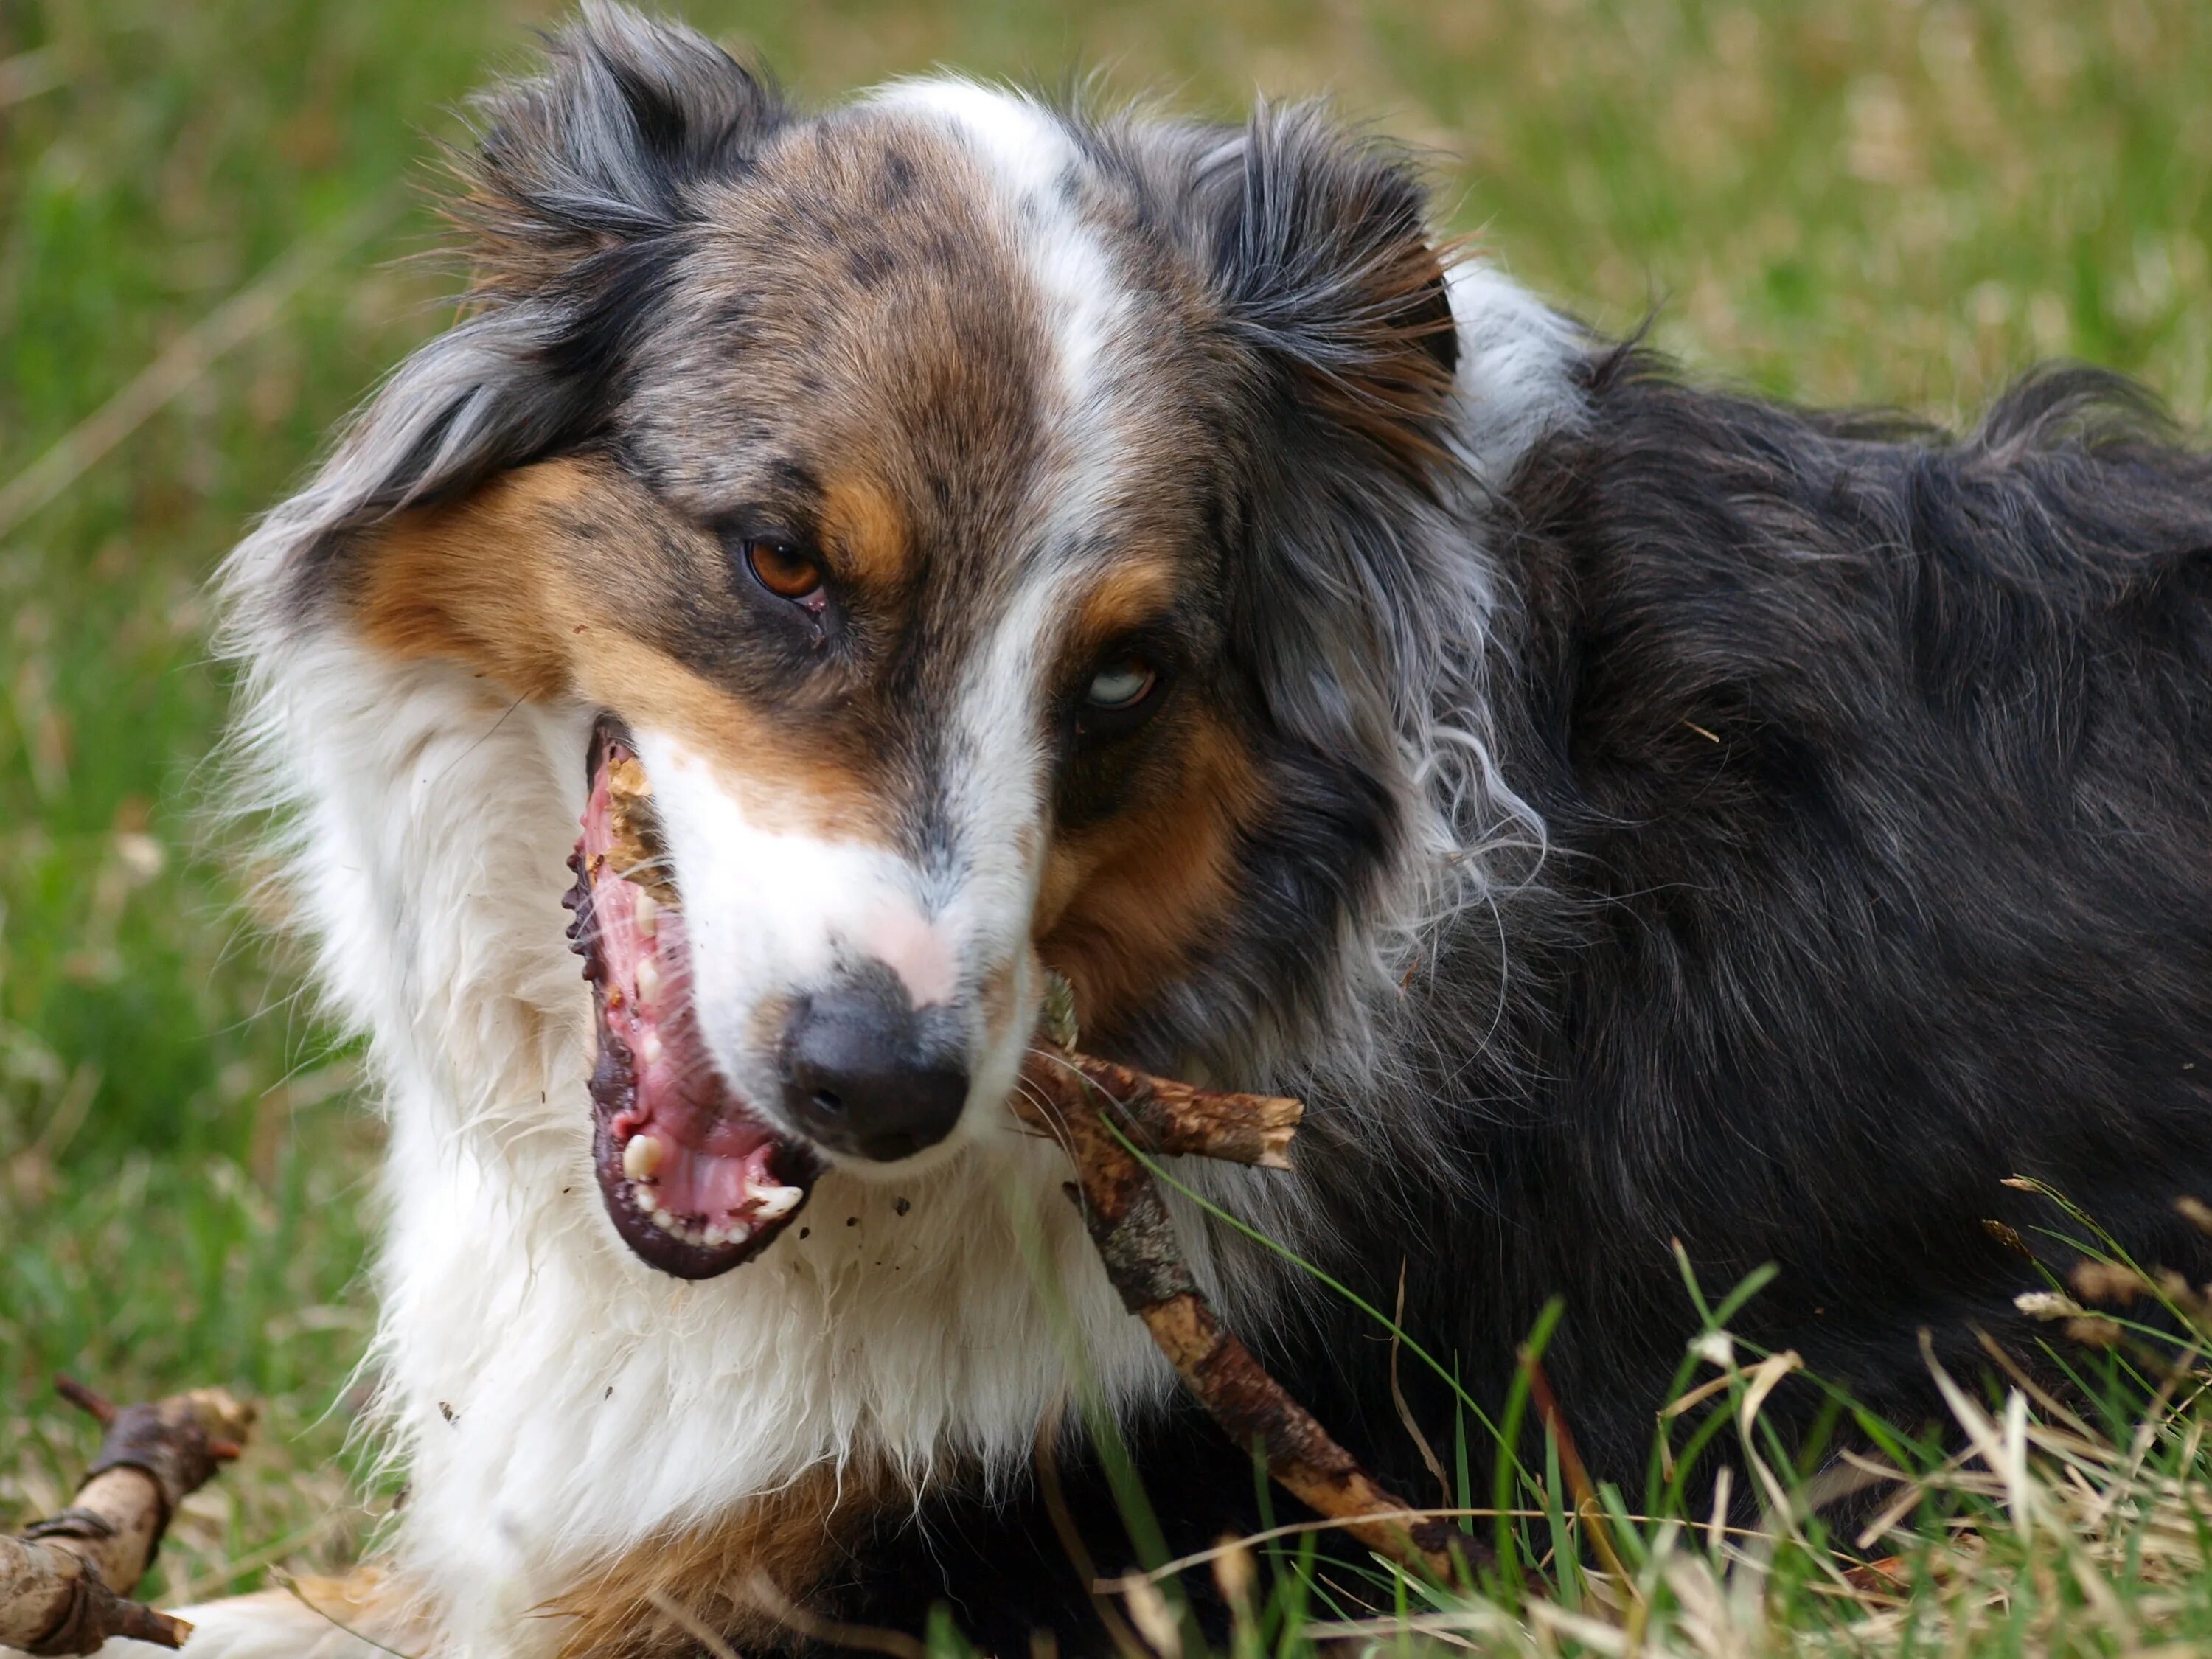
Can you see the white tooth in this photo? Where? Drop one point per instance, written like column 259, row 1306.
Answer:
column 648, row 913
column 642, row 1156
column 717, row 1236
column 651, row 1048
column 649, row 979
column 771, row 1202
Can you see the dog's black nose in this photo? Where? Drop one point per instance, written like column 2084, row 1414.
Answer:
column 863, row 1073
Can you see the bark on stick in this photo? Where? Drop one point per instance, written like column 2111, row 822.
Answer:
column 1081, row 1101
column 64, row 1581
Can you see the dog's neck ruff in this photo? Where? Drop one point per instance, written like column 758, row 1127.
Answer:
column 553, row 1400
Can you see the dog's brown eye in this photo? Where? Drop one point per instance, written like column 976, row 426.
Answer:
column 1123, row 683
column 784, row 571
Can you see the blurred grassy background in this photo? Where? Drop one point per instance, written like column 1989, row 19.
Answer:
column 1894, row 203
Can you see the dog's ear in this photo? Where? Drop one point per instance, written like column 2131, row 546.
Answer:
column 577, row 203
column 1321, row 254
column 606, row 148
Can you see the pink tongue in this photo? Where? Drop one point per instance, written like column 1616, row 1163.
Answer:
column 721, row 1189
column 709, row 1142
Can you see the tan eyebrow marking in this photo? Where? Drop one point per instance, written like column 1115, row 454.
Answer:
column 863, row 522
column 508, row 581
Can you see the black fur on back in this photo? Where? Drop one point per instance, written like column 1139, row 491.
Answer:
column 1876, row 771
column 1875, row 766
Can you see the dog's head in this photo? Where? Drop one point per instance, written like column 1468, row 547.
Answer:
column 1001, row 541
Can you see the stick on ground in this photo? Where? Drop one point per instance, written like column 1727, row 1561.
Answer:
column 1081, row 1102
column 65, row 1581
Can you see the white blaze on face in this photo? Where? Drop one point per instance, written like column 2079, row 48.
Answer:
column 1036, row 171
column 1031, row 162
column 773, row 912
column 998, row 794
column 1000, row 761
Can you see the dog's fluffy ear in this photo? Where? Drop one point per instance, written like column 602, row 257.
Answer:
column 577, row 203
column 1321, row 253
column 604, row 149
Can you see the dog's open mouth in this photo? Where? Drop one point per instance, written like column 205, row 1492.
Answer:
column 696, row 1184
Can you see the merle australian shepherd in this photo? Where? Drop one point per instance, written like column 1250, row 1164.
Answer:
column 1010, row 541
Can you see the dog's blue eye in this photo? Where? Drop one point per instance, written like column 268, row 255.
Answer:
column 1121, row 684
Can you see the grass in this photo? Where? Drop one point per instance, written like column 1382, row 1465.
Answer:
column 2046, row 1526
column 203, row 208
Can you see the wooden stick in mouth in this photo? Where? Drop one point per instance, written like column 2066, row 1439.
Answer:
column 65, row 1581
column 1098, row 1111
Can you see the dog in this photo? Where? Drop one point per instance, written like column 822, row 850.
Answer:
column 1657, row 832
